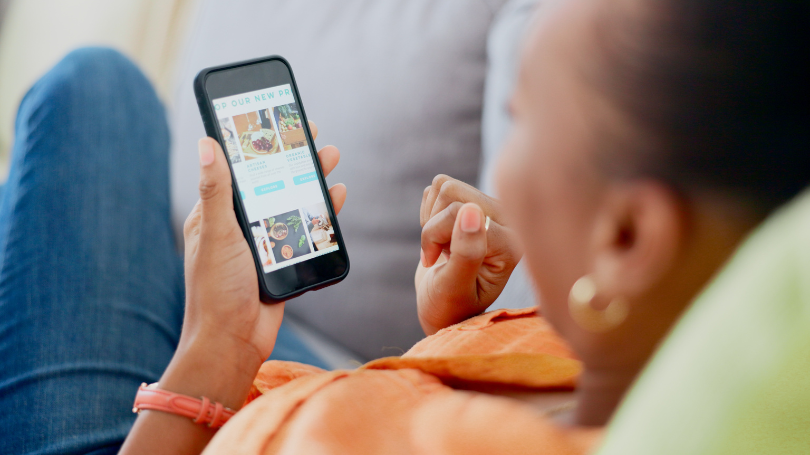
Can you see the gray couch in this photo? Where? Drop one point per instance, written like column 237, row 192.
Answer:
column 3, row 7
column 399, row 87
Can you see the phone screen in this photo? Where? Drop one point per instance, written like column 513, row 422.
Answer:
column 275, row 176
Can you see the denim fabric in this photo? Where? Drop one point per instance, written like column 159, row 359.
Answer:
column 91, row 286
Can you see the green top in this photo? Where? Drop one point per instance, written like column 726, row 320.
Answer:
column 734, row 375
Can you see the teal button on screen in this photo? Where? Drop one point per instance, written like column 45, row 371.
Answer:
column 305, row 178
column 269, row 188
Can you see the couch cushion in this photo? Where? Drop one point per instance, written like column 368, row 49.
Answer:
column 398, row 86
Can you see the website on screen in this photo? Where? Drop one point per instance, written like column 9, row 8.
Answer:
column 275, row 175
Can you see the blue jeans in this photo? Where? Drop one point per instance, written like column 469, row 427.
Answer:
column 91, row 286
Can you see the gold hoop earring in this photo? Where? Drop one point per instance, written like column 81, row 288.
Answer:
column 579, row 306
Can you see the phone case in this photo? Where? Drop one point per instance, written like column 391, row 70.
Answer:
column 210, row 123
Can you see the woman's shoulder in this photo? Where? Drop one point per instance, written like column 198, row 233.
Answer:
column 412, row 403
column 475, row 423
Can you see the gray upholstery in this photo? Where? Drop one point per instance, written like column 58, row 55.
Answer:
column 3, row 7
column 398, row 86
column 504, row 48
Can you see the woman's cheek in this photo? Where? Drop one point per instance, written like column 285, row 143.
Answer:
column 510, row 178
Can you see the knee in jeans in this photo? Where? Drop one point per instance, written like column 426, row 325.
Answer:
column 98, row 65
column 98, row 56
column 89, row 76
column 96, row 89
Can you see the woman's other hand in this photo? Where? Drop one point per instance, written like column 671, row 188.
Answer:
column 464, row 266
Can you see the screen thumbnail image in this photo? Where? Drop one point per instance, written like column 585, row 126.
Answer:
column 319, row 225
column 256, row 134
column 263, row 244
column 229, row 134
column 288, row 119
column 287, row 234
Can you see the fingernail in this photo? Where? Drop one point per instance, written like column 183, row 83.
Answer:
column 422, row 254
column 206, row 152
column 470, row 220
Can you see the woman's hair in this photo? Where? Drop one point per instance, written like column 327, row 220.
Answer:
column 718, row 89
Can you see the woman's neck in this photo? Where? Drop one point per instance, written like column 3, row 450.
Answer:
column 599, row 394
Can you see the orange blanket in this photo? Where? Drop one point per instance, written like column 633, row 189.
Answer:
column 411, row 404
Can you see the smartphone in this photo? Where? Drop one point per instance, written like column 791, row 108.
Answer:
column 253, row 109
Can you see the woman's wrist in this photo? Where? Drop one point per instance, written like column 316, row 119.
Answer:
column 221, row 369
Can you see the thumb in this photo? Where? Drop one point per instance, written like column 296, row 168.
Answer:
column 216, row 193
column 468, row 248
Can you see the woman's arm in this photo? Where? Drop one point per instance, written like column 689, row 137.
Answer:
column 215, row 370
column 227, row 331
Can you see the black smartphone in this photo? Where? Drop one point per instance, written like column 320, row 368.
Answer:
column 280, row 196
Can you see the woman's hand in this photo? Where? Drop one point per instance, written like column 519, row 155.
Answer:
column 227, row 331
column 222, row 292
column 464, row 266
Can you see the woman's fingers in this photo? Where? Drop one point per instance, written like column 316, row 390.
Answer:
column 329, row 157
column 422, row 218
column 457, row 191
column 429, row 197
column 313, row 128
column 216, row 194
column 437, row 233
column 445, row 190
column 456, row 280
column 437, row 237
column 338, row 195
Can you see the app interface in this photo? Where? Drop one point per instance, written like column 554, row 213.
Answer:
column 275, row 175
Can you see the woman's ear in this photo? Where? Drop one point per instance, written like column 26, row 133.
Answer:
column 637, row 238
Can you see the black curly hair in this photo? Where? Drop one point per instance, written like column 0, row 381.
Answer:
column 719, row 89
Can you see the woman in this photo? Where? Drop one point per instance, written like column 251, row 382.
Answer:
column 641, row 155
column 649, row 138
